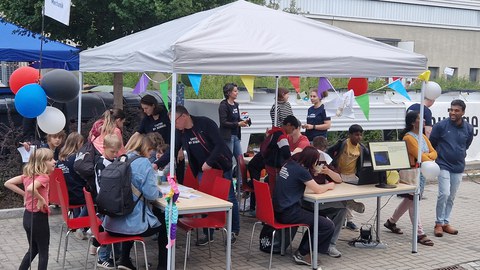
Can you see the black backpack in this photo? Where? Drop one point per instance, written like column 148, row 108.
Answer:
column 84, row 164
column 115, row 197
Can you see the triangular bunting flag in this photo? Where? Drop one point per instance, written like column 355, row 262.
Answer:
column 164, row 93
column 425, row 76
column 295, row 82
column 398, row 86
column 323, row 85
column 364, row 103
column 195, row 80
column 141, row 84
column 248, row 81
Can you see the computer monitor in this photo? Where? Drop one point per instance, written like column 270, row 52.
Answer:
column 386, row 156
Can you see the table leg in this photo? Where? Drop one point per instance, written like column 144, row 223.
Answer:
column 315, row 236
column 415, row 222
column 377, row 234
column 229, row 239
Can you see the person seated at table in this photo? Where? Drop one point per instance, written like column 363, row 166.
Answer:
column 348, row 156
column 144, row 220
column 335, row 211
column 296, row 140
column 410, row 136
column 293, row 178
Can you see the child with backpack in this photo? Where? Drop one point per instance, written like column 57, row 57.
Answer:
column 35, row 179
column 111, row 146
column 143, row 220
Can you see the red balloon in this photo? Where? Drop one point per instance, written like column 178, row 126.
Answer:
column 23, row 76
column 359, row 86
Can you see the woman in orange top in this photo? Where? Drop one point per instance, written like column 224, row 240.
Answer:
column 411, row 131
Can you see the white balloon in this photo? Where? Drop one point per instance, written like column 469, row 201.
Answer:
column 432, row 90
column 51, row 121
column 430, row 169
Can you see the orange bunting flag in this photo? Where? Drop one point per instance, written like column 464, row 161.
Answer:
column 295, row 82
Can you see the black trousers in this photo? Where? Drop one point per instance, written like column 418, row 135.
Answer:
column 38, row 239
column 296, row 214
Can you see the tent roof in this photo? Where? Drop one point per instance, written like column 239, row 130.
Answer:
column 242, row 38
column 26, row 48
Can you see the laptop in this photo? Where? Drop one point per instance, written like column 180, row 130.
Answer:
column 366, row 176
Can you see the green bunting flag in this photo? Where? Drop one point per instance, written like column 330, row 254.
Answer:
column 164, row 93
column 364, row 103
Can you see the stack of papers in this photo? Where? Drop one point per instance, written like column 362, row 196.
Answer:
column 185, row 192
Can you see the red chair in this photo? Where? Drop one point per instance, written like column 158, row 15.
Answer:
column 208, row 178
column 265, row 215
column 214, row 220
column 106, row 239
column 242, row 169
column 71, row 223
column 189, row 180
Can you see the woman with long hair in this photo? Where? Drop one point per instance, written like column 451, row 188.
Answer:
column 282, row 107
column 111, row 122
column 291, row 181
column 410, row 136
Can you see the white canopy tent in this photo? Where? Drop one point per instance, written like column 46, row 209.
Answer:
column 242, row 38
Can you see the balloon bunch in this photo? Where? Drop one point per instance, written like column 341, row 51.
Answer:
column 171, row 211
column 31, row 91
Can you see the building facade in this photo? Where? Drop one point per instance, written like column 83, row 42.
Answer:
column 446, row 32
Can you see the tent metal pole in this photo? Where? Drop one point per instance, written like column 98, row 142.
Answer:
column 79, row 113
column 277, row 78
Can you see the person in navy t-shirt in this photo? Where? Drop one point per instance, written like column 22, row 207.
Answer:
column 317, row 121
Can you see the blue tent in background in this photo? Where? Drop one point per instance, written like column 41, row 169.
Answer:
column 17, row 48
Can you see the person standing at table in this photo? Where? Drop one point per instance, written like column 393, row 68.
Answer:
column 155, row 118
column 410, row 136
column 293, row 178
column 282, row 107
column 206, row 150
column 348, row 156
column 451, row 138
column 317, row 121
column 427, row 116
column 230, row 122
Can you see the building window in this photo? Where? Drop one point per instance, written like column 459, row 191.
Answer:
column 474, row 74
column 433, row 72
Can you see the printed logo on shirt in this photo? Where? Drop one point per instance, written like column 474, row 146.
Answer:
column 312, row 115
column 159, row 126
column 64, row 168
column 283, row 173
column 193, row 140
column 235, row 111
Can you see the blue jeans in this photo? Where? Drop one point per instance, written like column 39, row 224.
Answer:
column 448, row 184
column 235, row 147
column 233, row 200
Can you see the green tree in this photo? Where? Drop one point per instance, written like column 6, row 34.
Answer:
column 94, row 23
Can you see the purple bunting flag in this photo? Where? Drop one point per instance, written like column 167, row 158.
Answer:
column 141, row 84
column 323, row 85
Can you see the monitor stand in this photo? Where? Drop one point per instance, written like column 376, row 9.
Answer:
column 383, row 181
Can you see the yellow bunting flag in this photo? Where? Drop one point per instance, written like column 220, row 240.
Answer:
column 425, row 76
column 248, row 82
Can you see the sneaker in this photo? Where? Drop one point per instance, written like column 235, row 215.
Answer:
column 333, row 252
column 79, row 234
column 204, row 241
column 126, row 264
column 108, row 264
column 302, row 260
column 234, row 239
column 92, row 250
column 351, row 226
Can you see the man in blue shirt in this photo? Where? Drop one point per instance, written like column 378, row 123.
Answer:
column 451, row 138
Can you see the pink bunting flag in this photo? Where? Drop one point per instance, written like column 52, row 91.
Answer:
column 323, row 85
column 295, row 82
column 141, row 84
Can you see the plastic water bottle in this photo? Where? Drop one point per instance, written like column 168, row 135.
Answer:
column 160, row 177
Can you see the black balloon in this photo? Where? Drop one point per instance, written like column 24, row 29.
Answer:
column 60, row 85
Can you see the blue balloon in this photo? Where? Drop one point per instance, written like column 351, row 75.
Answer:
column 31, row 100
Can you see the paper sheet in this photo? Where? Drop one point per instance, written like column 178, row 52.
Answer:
column 23, row 152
